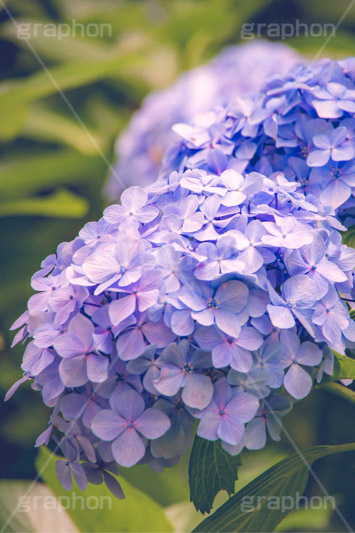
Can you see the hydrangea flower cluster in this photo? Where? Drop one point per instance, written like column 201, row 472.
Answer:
column 235, row 71
column 300, row 125
column 210, row 296
column 214, row 295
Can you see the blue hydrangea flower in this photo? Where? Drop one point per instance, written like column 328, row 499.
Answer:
column 234, row 72
column 215, row 294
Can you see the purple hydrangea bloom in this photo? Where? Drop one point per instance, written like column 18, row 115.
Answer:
column 234, row 72
column 125, row 423
column 216, row 300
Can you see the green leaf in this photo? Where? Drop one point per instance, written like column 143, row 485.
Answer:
column 137, row 512
column 59, row 204
column 27, row 174
column 31, row 507
column 16, row 95
column 211, row 469
column 39, row 125
column 13, row 120
column 251, row 510
column 349, row 237
column 344, row 368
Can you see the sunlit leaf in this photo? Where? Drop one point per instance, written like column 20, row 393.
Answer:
column 59, row 204
column 31, row 507
column 27, row 173
column 137, row 512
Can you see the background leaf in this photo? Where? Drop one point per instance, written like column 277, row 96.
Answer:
column 31, row 507
column 211, row 469
column 137, row 512
column 349, row 237
column 344, row 368
column 287, row 478
column 59, row 204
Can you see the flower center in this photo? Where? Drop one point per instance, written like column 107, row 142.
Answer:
column 213, row 303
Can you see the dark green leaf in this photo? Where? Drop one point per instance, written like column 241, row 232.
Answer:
column 211, row 469
column 250, row 510
column 137, row 512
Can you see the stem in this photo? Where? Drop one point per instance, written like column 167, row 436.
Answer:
column 339, row 390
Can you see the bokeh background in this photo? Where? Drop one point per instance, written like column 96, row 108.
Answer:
column 52, row 171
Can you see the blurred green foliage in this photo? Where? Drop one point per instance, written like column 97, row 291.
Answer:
column 62, row 103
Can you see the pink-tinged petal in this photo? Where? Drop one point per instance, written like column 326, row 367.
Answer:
column 114, row 214
column 14, row 387
column 255, row 434
column 122, row 308
column 72, row 405
column 107, row 425
column 227, row 322
column 128, row 448
column 244, row 405
column 209, row 337
column 198, row 391
column 100, row 267
column 192, row 299
column 153, row 423
column 73, row 371
column 147, row 299
column 241, row 360
column 345, row 152
column 335, row 193
column 232, row 295
column 222, row 354
column 297, row 381
column 252, row 260
column 300, row 289
column 83, row 328
column 230, row 430
column 130, row 345
column 134, row 198
column 64, row 474
column 281, row 317
column 318, row 158
column 309, row 354
column 208, row 425
column 68, row 346
column 205, row 317
column 193, row 223
column 169, row 381
column 97, row 366
column 182, row 323
column 207, row 271
column 250, row 339
column 129, row 404
column 147, row 214
column 90, row 412
column 327, row 108
column 158, row 333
